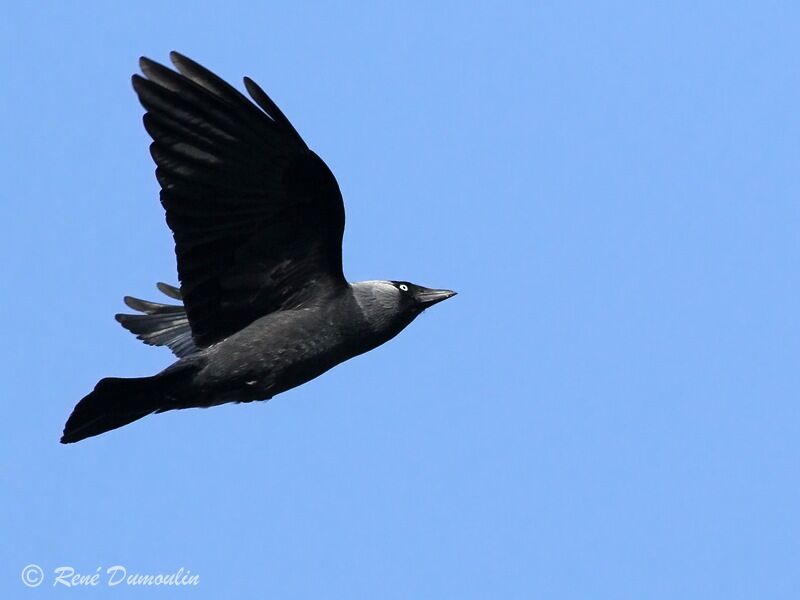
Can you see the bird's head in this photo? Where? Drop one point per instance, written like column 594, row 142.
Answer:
column 414, row 298
column 389, row 306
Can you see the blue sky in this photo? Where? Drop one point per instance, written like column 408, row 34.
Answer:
column 608, row 409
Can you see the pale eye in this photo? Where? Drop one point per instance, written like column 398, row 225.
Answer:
column 404, row 287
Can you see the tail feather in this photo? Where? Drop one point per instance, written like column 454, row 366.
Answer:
column 114, row 402
column 160, row 324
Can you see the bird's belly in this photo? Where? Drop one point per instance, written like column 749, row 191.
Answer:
column 265, row 363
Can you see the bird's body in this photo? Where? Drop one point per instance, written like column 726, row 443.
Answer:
column 258, row 220
column 283, row 350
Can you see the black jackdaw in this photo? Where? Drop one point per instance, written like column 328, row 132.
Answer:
column 258, row 220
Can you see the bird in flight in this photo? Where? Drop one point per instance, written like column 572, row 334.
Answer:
column 257, row 219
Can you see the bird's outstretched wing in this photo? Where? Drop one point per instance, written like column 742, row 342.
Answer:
column 160, row 324
column 257, row 217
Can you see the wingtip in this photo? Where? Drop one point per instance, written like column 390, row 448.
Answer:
column 148, row 65
column 181, row 61
column 251, row 86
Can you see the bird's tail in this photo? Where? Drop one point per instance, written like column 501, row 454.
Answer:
column 115, row 402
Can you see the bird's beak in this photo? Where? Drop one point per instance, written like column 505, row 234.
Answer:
column 427, row 297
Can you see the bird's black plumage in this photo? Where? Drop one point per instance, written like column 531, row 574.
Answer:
column 258, row 221
column 160, row 324
column 257, row 217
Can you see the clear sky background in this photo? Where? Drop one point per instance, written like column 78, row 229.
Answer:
column 609, row 408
